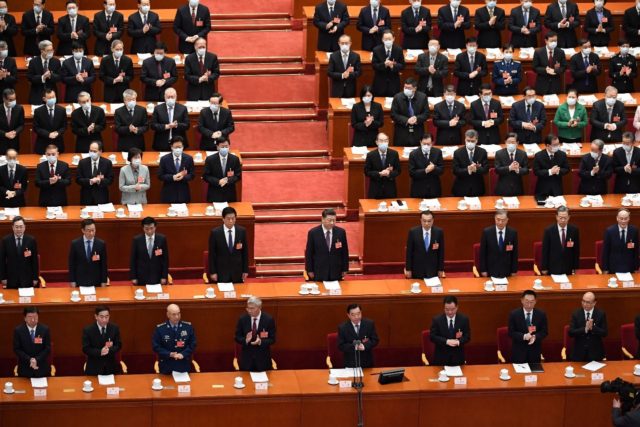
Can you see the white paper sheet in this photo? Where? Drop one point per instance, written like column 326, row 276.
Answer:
column 521, row 368
column 432, row 281
column 181, row 377
column 181, row 207
column 226, row 287
column 329, row 285
column 106, row 207
column 154, row 288
column 218, row 206
column 12, row 211
column 531, row 148
column 135, row 208
column 26, row 292
column 39, row 382
column 453, row 371
column 560, row 278
column 348, row 102
column 106, row 379
column 433, row 100
column 54, row 209
column 345, row 373
column 507, row 100
column 87, row 290
column 500, row 280
column 259, row 377
column 594, row 366
column 363, row 150
column 624, row 277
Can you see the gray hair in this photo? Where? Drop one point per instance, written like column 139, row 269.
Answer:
column 253, row 300
column 129, row 92
column 599, row 143
column 471, row 133
column 115, row 43
column 44, row 44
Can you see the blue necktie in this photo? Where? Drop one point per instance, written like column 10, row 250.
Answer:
column 529, row 319
column 586, row 64
column 89, row 250
column 427, row 241
column 451, row 328
column 230, row 242
column 500, row 240
column 33, row 335
column 411, row 114
column 177, row 164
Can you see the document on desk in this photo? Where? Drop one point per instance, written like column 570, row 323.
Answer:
column 225, row 287
column 346, row 372
column 560, row 278
column 87, row 290
column 453, row 371
column 594, row 366
column 432, row 281
column 154, row 289
column 39, row 382
column 624, row 277
column 521, row 368
column 259, row 377
column 331, row 285
column 106, row 379
column 26, row 292
column 106, row 207
column 181, row 377
column 12, row 211
column 499, row 280
column 135, row 208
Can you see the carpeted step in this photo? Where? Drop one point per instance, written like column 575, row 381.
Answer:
column 267, row 46
column 303, row 214
column 294, row 186
column 295, row 66
column 250, row 23
column 275, row 91
column 235, row 7
column 295, row 137
column 296, row 270
column 281, row 113
column 287, row 164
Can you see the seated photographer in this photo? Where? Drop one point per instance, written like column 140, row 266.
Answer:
column 630, row 418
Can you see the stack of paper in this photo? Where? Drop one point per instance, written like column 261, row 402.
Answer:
column 507, row 101
column 494, row 52
column 551, row 99
column 432, row 204
column 594, row 366
column 500, row 280
column 595, row 200
column 54, row 209
column 180, row 207
column 531, row 148
column 154, row 289
column 348, row 102
column 471, row 98
column 491, row 148
column 624, row 277
column 432, row 281
column 448, row 150
column 587, row 99
column 453, row 371
column 521, row 368
column 570, row 146
column 26, row 292
column 259, row 377
column 473, row 202
column 569, row 51
column 526, row 52
column 454, row 52
column 181, row 377
column 601, row 50
column 39, row 382
column 406, row 151
column 414, row 53
column 346, row 372
column 511, row 202
column 143, row 56
column 608, row 148
column 115, row 106
column 87, row 290
column 135, row 208
column 560, row 278
column 363, row 150
column 557, row 201
column 333, row 285
column 226, row 287
column 626, row 98
column 106, row 207
column 106, row 379
column 218, row 206
column 433, row 100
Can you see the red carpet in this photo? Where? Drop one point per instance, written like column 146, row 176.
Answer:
column 287, row 136
column 282, row 89
column 298, row 186
column 270, row 45
column 248, row 6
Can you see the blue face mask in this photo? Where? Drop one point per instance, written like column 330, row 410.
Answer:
column 51, row 102
column 223, row 151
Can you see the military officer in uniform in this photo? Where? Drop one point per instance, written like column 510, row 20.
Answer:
column 623, row 68
column 174, row 342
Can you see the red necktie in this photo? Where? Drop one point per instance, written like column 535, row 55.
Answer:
column 564, row 238
column 52, row 172
column 550, row 59
column 193, row 16
column 254, row 327
column 201, row 64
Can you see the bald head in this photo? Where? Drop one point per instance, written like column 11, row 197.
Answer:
column 173, row 313
column 588, row 301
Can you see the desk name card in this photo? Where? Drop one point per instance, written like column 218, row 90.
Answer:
column 566, row 285
column 113, row 391
column 262, row 386
column 460, row 380
column 335, row 291
column 437, row 290
column 530, row 379
column 344, row 384
column 39, row 392
column 501, row 288
column 90, row 298
column 184, row 388
column 597, row 376
column 24, row 300
column 229, row 294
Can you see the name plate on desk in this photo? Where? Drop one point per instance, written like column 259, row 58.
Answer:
column 134, row 214
column 39, row 392
column 90, row 298
column 185, row 388
column 437, row 290
column 597, row 376
column 229, row 294
column 24, row 300
column 113, row 391
column 335, row 291
column 262, row 386
column 530, row 379
column 164, row 295
column 501, row 288
column 460, row 380
column 628, row 285
column 566, row 285
column 344, row 384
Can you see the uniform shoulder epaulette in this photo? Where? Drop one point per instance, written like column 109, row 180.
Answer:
column 186, row 323
column 160, row 324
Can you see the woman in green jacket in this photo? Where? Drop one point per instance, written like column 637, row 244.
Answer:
column 571, row 118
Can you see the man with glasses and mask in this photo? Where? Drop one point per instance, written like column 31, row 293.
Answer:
column 626, row 166
column 425, row 168
column 469, row 165
column 588, row 327
column 527, row 330
column 511, row 164
column 382, row 167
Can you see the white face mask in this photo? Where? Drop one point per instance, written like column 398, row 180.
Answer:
column 374, row 3
column 117, row 54
column 491, row 4
column 610, row 101
column 202, row 51
column 425, row 149
column 51, row 102
column 223, row 151
column 388, row 44
column 193, row 3
column 171, row 102
column 72, row 12
column 594, row 156
column 135, row 162
column 571, row 101
column 511, row 148
column 455, row 3
column 145, row 9
column 586, row 51
column 471, row 49
column 367, row 99
column 4, row 53
column 486, row 98
column 433, row 50
column 48, row 55
column 94, row 155
column 12, row 162
column 508, row 56
column 627, row 148
column 86, row 106
column 344, row 48
column 52, row 158
column 599, row 4
column 383, row 146
column 11, row 104
column 624, row 50
column 526, row 4
column 158, row 57
column 562, row 1
column 470, row 145
column 214, row 107
column 530, row 101
column 131, row 104
column 111, row 9
column 552, row 45
column 78, row 55
column 37, row 9
column 554, row 148
column 416, row 4
column 408, row 93
column 449, row 98
column 177, row 151
column 3, row 11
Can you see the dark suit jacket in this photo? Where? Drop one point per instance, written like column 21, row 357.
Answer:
column 451, row 37
column 122, row 120
column 34, row 74
column 466, row 85
column 600, row 116
column 411, row 39
column 465, row 184
column 19, row 269
column 95, row 194
column 197, row 91
column 109, row 71
column 63, row 32
column 25, row 349
column 546, row 83
column 516, row 22
column 487, row 135
column 325, row 264
column 143, row 42
column 175, row 191
column 521, row 351
column 403, row 133
column 425, row 185
column 631, row 25
column 149, row 75
column 619, row 256
column 582, row 81
column 498, row 262
column 443, row 354
column 553, row 16
column 92, row 344
column 626, row 182
column 386, row 81
column 489, row 35
column 549, row 185
column 367, row 335
column 9, row 64
column 441, row 66
column 382, row 187
column 18, row 184
column 207, row 126
column 598, row 183
column 588, row 346
column 80, row 124
column 184, row 27
column 509, row 182
column 328, row 42
column 43, row 126
column 365, row 23
column 88, row 272
column 213, row 173
column 160, row 117
column 558, row 259
column 31, row 37
column 514, row 69
column 17, row 124
column 101, row 28
column 256, row 358
column 362, row 134
column 11, row 29
column 343, row 88
column 72, row 86
column 56, row 194
column 149, row 269
column 591, row 23
column 518, row 116
column 448, row 135
column 229, row 266
column 420, row 262
column 636, row 323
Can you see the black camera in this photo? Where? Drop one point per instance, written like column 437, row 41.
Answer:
column 629, row 395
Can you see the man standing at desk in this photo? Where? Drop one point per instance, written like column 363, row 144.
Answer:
column 527, row 118
column 425, row 168
column 13, row 182
column 425, row 249
column 330, row 18
column 53, row 177
column 549, row 63
column 13, row 124
column 450, row 332
column 256, row 333
column 19, row 264
column 409, row 111
column 620, row 247
column 175, row 171
column 527, row 329
column 561, row 246
column 100, row 343
column 357, row 334
column 32, row 345
column 327, row 252
column 550, row 165
column 149, row 263
column 88, row 258
column 588, row 327
column 344, row 69
column 608, row 119
column 626, row 166
column 192, row 21
column 499, row 248
column 469, row 165
column 228, row 250
column 511, row 164
column 382, row 167
column 174, row 342
column 94, row 176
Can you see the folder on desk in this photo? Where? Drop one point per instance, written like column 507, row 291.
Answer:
column 26, row 292
column 181, row 377
column 225, row 287
column 259, row 377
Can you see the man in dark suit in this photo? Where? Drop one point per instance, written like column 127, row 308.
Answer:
column 608, row 119
column 19, row 264
column 527, row 330
column 13, row 181
column 372, row 21
column 88, row 258
column 149, row 261
column 87, row 123
column 382, row 167
column 8, row 28
column 524, row 24
column 358, row 334
column 631, row 25
column 158, row 73
column 255, row 333
column 108, row 25
column 37, row 25
column 499, row 248
column 77, row 73
column 416, row 24
column 130, row 122
column 595, row 170
column 469, row 165
column 327, row 252
column 8, row 67
column 449, row 117
column 489, row 21
column 425, row 249
column 620, row 246
column 598, row 24
column 175, row 171
column 116, row 72
column 72, row 28
column 201, row 71
column 470, row 68
column 53, row 177
column 450, row 331
column 636, row 327
column 585, row 69
column 94, row 176
column 511, row 164
column 11, row 122
column 626, row 166
column 550, row 165
column 169, row 120
column 486, row 116
column 387, row 62
column 549, row 63
column 588, row 327
column 143, row 27
column 43, row 72
column 100, row 343
column 32, row 345
column 49, row 123
column 344, row 69
column 330, row 18
column 409, row 111
column 453, row 20
column 222, row 171
column 425, row 168
column 507, row 73
column 433, row 68
column 192, row 21
column 215, row 123
column 527, row 118
column 561, row 246
column 228, row 250
column 563, row 17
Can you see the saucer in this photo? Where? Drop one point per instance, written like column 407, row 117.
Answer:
column 76, row 299
column 303, row 292
column 239, row 387
column 626, row 204
column 9, row 392
column 157, row 388
column 444, row 381
column 419, row 291
column 383, row 210
column 462, row 209
column 87, row 390
column 507, row 378
column 121, row 216
column 636, row 374
column 612, row 285
column 570, row 376
column 333, row 383
column 210, row 297
column 139, row 298
column 172, row 215
column 538, row 288
column 315, row 292
column 209, row 214
column 490, row 289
